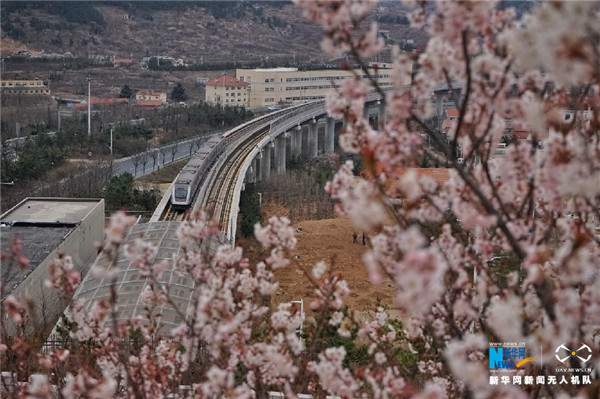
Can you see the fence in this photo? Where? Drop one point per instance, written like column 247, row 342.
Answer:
column 55, row 342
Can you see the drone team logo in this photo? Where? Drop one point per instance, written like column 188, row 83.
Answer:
column 562, row 353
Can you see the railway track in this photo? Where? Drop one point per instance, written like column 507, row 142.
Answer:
column 172, row 214
column 226, row 189
column 218, row 192
column 240, row 144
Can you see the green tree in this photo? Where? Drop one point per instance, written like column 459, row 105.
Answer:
column 153, row 63
column 249, row 210
column 126, row 92
column 178, row 93
column 119, row 192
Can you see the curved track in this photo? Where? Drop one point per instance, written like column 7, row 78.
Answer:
column 220, row 191
column 217, row 193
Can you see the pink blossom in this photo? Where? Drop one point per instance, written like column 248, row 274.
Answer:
column 39, row 386
column 13, row 308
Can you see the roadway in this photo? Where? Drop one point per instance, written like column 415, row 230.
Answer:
column 153, row 159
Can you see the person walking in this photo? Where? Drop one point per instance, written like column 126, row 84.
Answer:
column 364, row 237
column 354, row 236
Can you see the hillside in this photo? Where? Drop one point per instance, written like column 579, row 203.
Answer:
column 241, row 32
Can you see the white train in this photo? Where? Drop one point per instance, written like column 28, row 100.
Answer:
column 194, row 172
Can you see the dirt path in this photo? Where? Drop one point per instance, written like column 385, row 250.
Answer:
column 330, row 240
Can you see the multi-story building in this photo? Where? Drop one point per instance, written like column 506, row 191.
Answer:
column 287, row 86
column 35, row 86
column 226, row 91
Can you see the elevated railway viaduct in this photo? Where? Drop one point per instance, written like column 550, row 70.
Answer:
column 253, row 150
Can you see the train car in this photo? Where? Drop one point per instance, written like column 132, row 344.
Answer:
column 193, row 173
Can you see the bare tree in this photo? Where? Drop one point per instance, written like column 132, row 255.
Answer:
column 173, row 151
column 144, row 162
column 154, row 155
column 137, row 159
column 163, row 152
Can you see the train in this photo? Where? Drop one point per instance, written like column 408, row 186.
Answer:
column 193, row 173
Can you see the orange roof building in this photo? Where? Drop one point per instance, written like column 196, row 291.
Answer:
column 452, row 113
column 439, row 175
column 227, row 91
column 100, row 102
column 122, row 61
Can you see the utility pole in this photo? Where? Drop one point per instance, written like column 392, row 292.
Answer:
column 223, row 91
column 89, row 79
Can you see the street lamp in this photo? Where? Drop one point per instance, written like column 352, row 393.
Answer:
column 89, row 79
column 301, row 302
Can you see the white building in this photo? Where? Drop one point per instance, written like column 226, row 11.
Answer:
column 287, row 86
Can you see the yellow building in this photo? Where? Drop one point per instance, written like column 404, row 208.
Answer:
column 226, row 91
column 35, row 86
column 287, row 86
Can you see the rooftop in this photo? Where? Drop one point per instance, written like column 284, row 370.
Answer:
column 49, row 210
column 452, row 113
column 226, row 81
column 41, row 224
column 278, row 69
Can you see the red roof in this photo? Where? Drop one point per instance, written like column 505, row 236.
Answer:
column 440, row 175
column 123, row 61
column 148, row 103
column 521, row 132
column 452, row 113
column 101, row 102
column 227, row 81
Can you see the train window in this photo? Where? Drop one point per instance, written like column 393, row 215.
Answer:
column 180, row 193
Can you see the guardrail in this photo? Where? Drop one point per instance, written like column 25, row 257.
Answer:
column 303, row 114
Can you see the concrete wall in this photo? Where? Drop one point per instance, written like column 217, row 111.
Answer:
column 80, row 244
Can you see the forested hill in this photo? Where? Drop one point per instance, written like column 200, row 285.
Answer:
column 266, row 32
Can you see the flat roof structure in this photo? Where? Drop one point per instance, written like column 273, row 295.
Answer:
column 48, row 227
column 41, row 224
column 50, row 210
